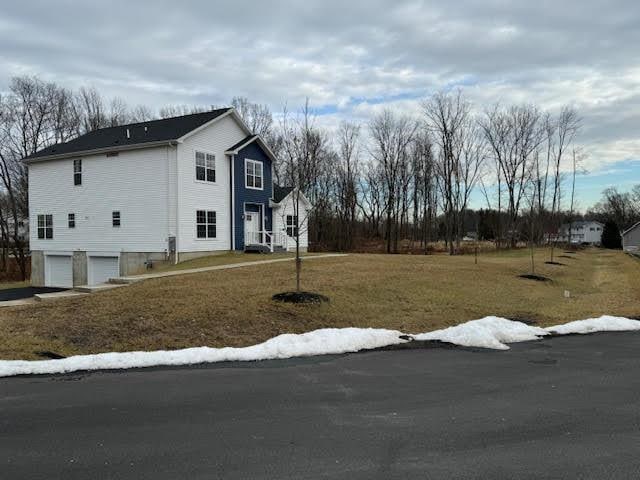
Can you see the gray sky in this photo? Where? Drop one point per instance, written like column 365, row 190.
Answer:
column 351, row 58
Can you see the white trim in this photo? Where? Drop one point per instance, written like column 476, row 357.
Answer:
column 303, row 197
column 246, row 161
column 195, row 166
column 231, row 111
column 631, row 228
column 97, row 151
column 233, row 202
column 263, row 145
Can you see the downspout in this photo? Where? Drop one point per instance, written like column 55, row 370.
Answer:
column 177, row 206
column 233, row 203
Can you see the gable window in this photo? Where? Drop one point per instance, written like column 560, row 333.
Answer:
column 292, row 226
column 115, row 218
column 72, row 220
column 45, row 227
column 77, row 172
column 205, row 224
column 205, row 167
column 253, row 174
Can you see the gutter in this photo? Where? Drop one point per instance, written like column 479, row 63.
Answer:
column 97, row 151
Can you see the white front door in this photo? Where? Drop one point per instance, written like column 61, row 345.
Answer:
column 251, row 228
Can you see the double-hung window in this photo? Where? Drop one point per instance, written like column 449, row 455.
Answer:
column 77, row 172
column 292, row 226
column 115, row 218
column 205, row 224
column 253, row 174
column 205, row 167
column 45, row 227
column 72, row 220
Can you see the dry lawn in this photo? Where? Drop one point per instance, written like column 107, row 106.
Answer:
column 412, row 293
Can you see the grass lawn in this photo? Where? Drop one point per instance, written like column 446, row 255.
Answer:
column 412, row 293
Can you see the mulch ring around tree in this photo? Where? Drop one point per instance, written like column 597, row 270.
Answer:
column 300, row 297
column 555, row 263
column 537, row 278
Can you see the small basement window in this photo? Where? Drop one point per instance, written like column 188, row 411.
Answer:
column 205, row 167
column 115, row 219
column 45, row 227
column 205, row 224
column 292, row 226
column 253, row 174
column 72, row 220
column 77, row 172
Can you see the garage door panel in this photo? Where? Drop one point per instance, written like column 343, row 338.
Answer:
column 59, row 271
column 101, row 269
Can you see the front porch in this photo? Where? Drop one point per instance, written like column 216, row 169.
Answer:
column 265, row 242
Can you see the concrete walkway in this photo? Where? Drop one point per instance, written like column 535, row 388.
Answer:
column 173, row 273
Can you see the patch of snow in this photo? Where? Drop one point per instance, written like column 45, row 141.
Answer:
column 318, row 342
column 487, row 332
column 606, row 323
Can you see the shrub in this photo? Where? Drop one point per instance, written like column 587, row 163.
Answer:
column 611, row 235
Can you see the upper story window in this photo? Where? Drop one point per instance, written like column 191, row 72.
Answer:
column 77, row 172
column 45, row 227
column 253, row 174
column 292, row 226
column 205, row 224
column 72, row 220
column 115, row 218
column 205, row 167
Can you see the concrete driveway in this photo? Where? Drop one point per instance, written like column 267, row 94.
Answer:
column 566, row 407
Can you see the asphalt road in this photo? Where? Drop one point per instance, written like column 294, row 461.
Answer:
column 558, row 408
column 25, row 292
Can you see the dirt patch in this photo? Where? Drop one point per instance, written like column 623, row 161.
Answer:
column 300, row 297
column 555, row 263
column 567, row 256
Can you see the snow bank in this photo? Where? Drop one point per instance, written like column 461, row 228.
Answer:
column 605, row 323
column 488, row 332
column 318, row 342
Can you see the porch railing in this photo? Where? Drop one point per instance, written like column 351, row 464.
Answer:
column 267, row 239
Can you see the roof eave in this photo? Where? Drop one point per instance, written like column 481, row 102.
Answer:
column 262, row 143
column 98, row 151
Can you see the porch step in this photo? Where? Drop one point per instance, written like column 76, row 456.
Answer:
column 259, row 248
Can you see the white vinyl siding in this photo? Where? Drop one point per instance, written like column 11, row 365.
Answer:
column 135, row 183
column 196, row 195
column 287, row 211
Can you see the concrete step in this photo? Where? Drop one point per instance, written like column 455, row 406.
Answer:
column 50, row 297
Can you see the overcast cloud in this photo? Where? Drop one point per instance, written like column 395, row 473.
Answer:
column 349, row 57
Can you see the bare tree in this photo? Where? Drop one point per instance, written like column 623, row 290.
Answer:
column 347, row 179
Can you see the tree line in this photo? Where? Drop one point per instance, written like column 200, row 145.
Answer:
column 396, row 179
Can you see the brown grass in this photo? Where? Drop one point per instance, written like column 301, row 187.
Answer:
column 412, row 293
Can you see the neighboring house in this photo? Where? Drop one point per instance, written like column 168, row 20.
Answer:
column 581, row 232
column 115, row 200
column 631, row 239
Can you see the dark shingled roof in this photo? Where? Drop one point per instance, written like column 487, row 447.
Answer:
column 166, row 129
column 279, row 193
column 242, row 142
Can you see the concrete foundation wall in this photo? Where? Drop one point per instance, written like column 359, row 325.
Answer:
column 132, row 263
column 37, row 269
column 80, row 269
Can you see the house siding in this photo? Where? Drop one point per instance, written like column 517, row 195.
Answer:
column 631, row 239
column 285, row 208
column 245, row 195
column 195, row 195
column 135, row 183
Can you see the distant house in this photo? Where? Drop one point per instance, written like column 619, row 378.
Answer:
column 581, row 232
column 112, row 201
column 631, row 239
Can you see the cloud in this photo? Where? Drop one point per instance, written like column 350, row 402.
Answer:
column 350, row 58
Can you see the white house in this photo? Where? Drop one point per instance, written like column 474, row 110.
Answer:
column 631, row 239
column 115, row 200
column 581, row 232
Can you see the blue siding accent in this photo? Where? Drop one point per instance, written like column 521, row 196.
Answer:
column 247, row 195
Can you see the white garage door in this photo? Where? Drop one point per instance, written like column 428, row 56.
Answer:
column 58, row 271
column 101, row 269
